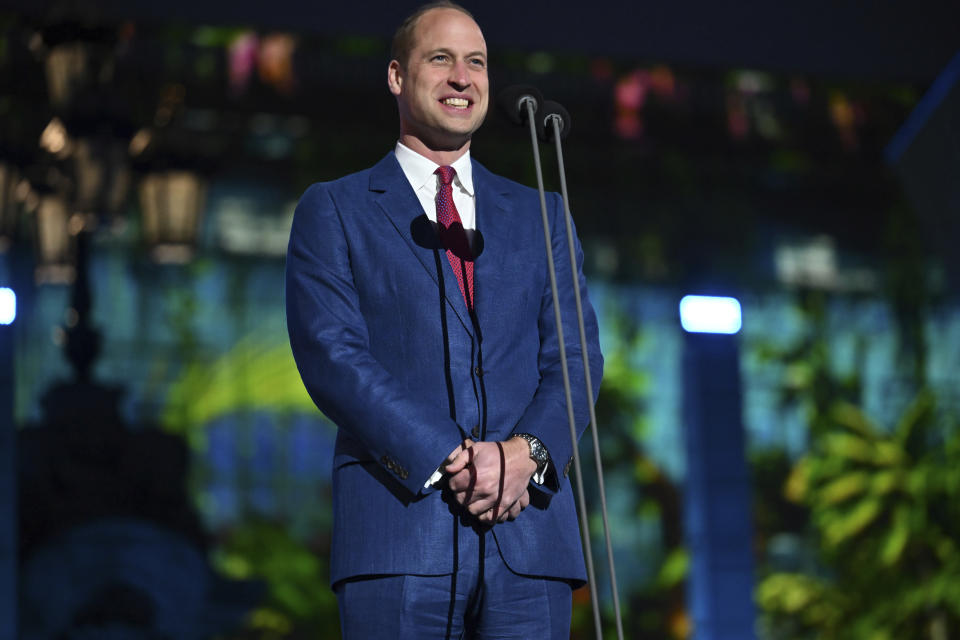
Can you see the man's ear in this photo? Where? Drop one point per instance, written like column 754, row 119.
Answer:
column 394, row 77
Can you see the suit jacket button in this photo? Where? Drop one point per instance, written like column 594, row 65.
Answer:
column 566, row 468
column 384, row 460
column 475, row 432
column 478, row 371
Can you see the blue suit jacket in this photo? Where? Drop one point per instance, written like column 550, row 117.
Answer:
column 388, row 351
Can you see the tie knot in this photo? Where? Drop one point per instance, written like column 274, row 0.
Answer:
column 446, row 174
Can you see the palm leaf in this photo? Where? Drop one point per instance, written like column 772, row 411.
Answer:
column 845, row 526
column 844, row 487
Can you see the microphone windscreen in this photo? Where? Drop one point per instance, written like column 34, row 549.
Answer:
column 476, row 242
column 512, row 102
column 548, row 112
column 424, row 232
column 428, row 235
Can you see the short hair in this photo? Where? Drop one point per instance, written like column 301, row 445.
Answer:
column 403, row 39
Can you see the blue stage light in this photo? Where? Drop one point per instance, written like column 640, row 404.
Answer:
column 8, row 305
column 710, row 314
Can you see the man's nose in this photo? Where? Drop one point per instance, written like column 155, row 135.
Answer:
column 459, row 75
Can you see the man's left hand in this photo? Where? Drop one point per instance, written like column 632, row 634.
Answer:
column 491, row 486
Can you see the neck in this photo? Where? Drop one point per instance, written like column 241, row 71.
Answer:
column 442, row 157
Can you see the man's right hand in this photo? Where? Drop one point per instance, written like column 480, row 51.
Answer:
column 489, row 479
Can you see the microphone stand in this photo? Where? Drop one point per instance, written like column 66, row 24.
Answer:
column 581, row 500
column 555, row 120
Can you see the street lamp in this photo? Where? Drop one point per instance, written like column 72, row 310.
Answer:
column 75, row 56
column 172, row 203
column 66, row 67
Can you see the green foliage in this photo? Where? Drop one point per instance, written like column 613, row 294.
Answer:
column 772, row 513
column 674, row 569
column 253, row 374
column 298, row 604
column 883, row 500
column 885, row 512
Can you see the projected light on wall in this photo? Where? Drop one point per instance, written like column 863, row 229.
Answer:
column 710, row 314
column 8, row 305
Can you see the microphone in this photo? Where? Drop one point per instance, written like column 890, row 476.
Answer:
column 513, row 102
column 466, row 244
column 549, row 113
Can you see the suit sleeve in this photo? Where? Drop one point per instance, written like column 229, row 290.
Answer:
column 546, row 416
column 330, row 343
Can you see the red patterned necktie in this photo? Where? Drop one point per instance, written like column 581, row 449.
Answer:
column 453, row 236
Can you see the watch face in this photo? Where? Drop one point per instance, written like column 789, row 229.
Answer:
column 538, row 452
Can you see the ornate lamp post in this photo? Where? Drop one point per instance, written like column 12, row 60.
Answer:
column 79, row 184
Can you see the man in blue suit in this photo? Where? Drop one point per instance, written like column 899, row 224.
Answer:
column 422, row 322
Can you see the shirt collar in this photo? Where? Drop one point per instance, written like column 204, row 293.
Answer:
column 420, row 170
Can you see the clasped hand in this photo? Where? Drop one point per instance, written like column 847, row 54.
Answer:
column 490, row 479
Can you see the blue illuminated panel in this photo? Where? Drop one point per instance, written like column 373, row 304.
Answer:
column 8, row 305
column 710, row 314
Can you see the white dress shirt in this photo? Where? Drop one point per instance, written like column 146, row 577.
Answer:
column 419, row 172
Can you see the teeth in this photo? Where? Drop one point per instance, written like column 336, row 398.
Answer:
column 460, row 103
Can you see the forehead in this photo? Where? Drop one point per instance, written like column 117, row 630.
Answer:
column 448, row 29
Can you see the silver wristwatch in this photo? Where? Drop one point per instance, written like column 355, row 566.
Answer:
column 538, row 452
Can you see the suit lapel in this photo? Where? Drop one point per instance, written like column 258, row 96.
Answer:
column 396, row 198
column 493, row 221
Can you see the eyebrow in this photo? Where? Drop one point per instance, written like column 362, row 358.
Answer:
column 447, row 51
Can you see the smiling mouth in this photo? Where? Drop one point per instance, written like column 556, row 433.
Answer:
column 456, row 103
